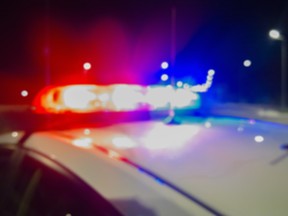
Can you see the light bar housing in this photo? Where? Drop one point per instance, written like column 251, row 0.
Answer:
column 89, row 98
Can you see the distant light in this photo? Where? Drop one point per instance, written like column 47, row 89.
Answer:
column 179, row 84
column 211, row 72
column 275, row 34
column 259, row 139
column 87, row 66
column 14, row 134
column 247, row 63
column 164, row 77
column 164, row 65
column 24, row 93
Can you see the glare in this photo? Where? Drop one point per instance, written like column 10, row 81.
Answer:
column 127, row 97
column 123, row 142
column 183, row 98
column 162, row 136
column 83, row 142
column 247, row 63
column 275, row 34
column 259, row 139
column 78, row 97
column 87, row 66
column 208, row 124
column 164, row 77
column 104, row 97
column 159, row 97
column 164, row 65
column 24, row 93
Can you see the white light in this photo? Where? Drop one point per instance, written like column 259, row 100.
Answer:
column 87, row 66
column 14, row 134
column 83, row 142
column 247, row 63
column 24, row 93
column 127, row 97
column 78, row 97
column 159, row 97
column 164, row 65
column 164, row 77
column 182, row 98
column 259, row 139
column 123, row 142
column 275, row 34
column 161, row 136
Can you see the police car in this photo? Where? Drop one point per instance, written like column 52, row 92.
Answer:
column 87, row 151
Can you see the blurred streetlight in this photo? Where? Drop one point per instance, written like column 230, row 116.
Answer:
column 276, row 35
column 247, row 63
column 164, row 65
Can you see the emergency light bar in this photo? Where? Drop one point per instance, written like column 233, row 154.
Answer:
column 116, row 97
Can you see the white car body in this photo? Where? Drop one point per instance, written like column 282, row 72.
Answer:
column 235, row 166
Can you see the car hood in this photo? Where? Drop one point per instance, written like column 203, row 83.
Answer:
column 237, row 165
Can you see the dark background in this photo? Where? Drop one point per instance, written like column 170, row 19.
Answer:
column 47, row 42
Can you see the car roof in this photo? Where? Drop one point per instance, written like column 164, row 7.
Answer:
column 223, row 161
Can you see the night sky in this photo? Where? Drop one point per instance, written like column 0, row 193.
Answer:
column 46, row 42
